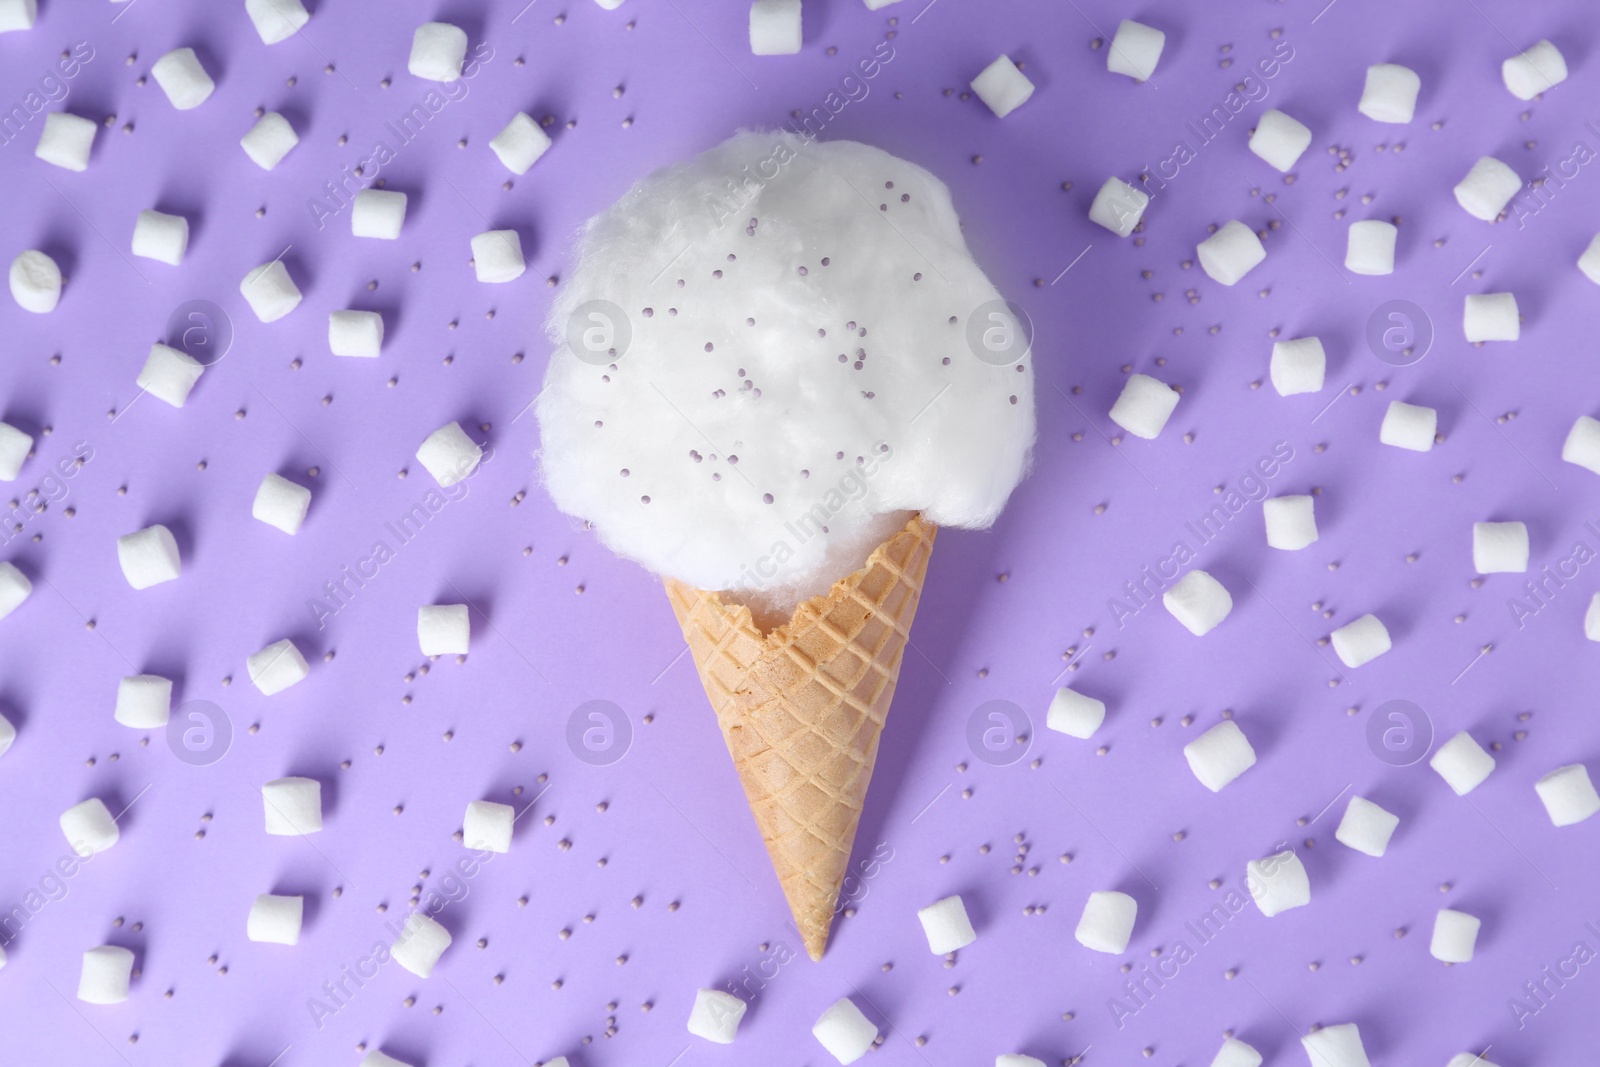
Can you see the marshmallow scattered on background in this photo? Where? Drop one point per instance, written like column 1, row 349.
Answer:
column 716, row 1015
column 16, row 15
column 1291, row 522
column 1002, row 86
column 1336, row 1046
column 1144, row 406
column 1231, row 253
column 1409, row 426
column 14, row 588
column 293, row 806
column 355, row 333
column 169, row 375
column 1280, row 139
column 1455, row 933
column 8, row 737
column 1539, row 69
column 35, row 282
column 1107, row 922
column 1491, row 317
column 1074, row 714
column 277, row 667
column 149, row 557
column 420, row 944
column 497, row 256
column 487, row 826
column 946, row 925
column 1220, row 755
column 1462, row 763
column 449, row 455
column 1499, row 547
column 1198, row 601
column 1366, row 827
column 379, row 1058
column 1390, row 94
column 270, row 292
column 520, row 144
column 89, row 827
column 1135, row 50
column 1118, row 206
column 281, row 503
column 775, row 27
column 1370, row 248
column 443, row 629
column 1487, row 188
column 844, row 1031
column 1467, row 1059
column 1568, row 794
column 65, row 140
column 1591, row 618
column 437, row 52
column 1235, row 1053
column 275, row 920
column 276, row 20
column 144, row 701
column 1582, row 445
column 107, row 973
column 182, row 78
column 1017, row 1059
column 378, row 213
column 1278, row 883
column 14, row 448
column 161, row 237
column 1361, row 641
column 1298, row 366
column 269, row 140
column 1589, row 262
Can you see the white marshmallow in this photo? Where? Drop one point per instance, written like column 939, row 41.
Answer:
column 1002, row 86
column 1118, row 206
column 1591, row 618
column 1144, row 406
column 1231, row 253
column 276, row 20
column 8, row 736
column 1409, row 426
column 1135, row 50
column 420, row 944
column 270, row 292
column 1291, row 522
column 14, row 448
column 1487, row 189
column 35, row 282
column 1499, row 547
column 1235, row 1053
column 161, row 237
column 1455, row 933
column 715, row 1015
column 149, row 557
column 1589, row 262
column 1017, row 1059
column 65, row 140
column 144, row 701
column 14, row 588
column 1298, row 365
column 277, row 667
column 1336, row 1046
column 293, row 806
column 89, row 827
column 379, row 1058
column 844, row 1031
column 106, row 975
column 609, row 5
column 1278, row 883
column 1568, row 794
column 443, row 629
column 275, row 920
column 872, row 5
column 281, row 503
column 521, row 143
column 1467, row 1059
column 1220, row 755
column 269, row 140
column 1279, row 139
column 182, row 78
column 1462, row 763
column 378, row 213
column 487, row 826
column 1390, row 94
column 497, row 256
column 437, row 51
column 1361, row 641
column 1198, row 601
column 1370, row 248
column 775, row 27
column 1075, row 715
column 18, row 15
column 1492, row 317
column 946, row 925
column 1582, row 445
column 449, row 455
column 1538, row 70
column 169, row 374
column 1366, row 827
column 355, row 333
column 1107, row 922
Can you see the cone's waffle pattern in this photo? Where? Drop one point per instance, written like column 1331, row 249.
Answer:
column 801, row 709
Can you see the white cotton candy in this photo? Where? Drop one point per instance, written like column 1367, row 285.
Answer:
column 708, row 417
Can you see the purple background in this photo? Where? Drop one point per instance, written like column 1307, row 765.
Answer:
column 676, row 828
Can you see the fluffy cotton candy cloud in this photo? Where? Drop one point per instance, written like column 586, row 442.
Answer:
column 785, row 365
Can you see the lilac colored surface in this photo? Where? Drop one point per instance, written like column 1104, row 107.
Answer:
column 676, row 828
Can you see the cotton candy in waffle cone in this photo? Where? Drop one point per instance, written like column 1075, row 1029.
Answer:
column 802, row 707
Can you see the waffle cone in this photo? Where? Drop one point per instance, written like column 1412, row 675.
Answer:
column 801, row 709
